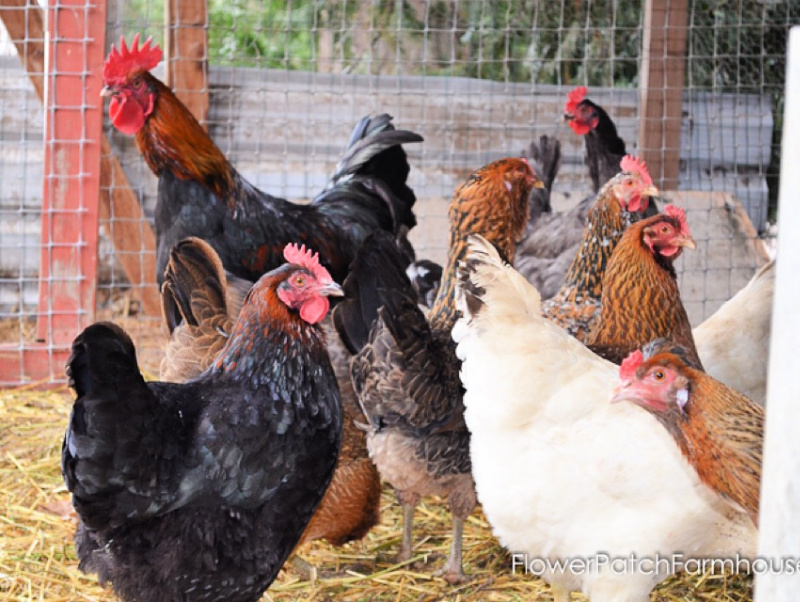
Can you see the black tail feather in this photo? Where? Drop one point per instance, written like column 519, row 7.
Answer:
column 547, row 154
column 378, row 269
column 375, row 151
column 119, row 434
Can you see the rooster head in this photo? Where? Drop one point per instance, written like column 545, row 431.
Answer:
column 308, row 285
column 579, row 112
column 659, row 383
column 132, row 98
column 668, row 233
column 633, row 185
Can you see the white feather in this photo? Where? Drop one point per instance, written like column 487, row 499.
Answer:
column 733, row 343
column 560, row 471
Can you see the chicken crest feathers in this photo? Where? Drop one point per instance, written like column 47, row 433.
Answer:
column 121, row 63
column 306, row 258
column 574, row 98
column 638, row 166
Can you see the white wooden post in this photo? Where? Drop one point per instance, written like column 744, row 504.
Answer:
column 780, row 486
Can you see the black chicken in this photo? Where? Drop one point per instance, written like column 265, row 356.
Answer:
column 199, row 491
column 604, row 148
column 201, row 194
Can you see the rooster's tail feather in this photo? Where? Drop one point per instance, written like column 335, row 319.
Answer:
column 375, row 153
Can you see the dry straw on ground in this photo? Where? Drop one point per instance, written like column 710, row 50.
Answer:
column 37, row 556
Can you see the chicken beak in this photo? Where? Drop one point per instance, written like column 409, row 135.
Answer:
column 650, row 191
column 106, row 91
column 686, row 241
column 330, row 289
column 537, row 183
column 620, row 393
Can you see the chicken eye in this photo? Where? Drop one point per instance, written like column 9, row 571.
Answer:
column 664, row 229
column 659, row 375
column 300, row 280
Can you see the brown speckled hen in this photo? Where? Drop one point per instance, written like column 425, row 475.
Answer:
column 641, row 300
column 718, row 430
column 576, row 306
column 405, row 370
column 200, row 304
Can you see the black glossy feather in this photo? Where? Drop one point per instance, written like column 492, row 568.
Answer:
column 250, row 228
column 199, row 491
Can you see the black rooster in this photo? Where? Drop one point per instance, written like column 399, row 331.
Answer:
column 201, row 194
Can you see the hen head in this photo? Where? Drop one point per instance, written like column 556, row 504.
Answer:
column 308, row 285
column 667, row 233
column 659, row 383
column 633, row 185
column 493, row 202
column 580, row 112
column 132, row 96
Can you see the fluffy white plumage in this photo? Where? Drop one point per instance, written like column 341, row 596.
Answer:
column 733, row 343
column 560, row 471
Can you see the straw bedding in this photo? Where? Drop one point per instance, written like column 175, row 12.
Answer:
column 37, row 556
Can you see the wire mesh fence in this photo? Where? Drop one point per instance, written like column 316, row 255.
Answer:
column 285, row 81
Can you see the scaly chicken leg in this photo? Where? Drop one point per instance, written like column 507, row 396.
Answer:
column 408, row 501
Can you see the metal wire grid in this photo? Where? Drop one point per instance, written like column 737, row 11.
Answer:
column 64, row 271
column 21, row 134
column 289, row 79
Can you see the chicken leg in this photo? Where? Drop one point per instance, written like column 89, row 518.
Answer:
column 409, row 502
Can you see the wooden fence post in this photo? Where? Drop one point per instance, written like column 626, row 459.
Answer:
column 661, row 88
column 779, row 522
column 186, row 54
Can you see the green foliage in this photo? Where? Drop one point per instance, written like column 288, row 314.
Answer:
column 733, row 45
column 274, row 33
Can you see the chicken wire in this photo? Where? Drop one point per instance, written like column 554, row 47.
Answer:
column 287, row 80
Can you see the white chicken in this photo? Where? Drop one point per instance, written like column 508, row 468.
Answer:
column 560, row 471
column 733, row 343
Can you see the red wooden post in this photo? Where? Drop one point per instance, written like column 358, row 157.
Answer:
column 73, row 126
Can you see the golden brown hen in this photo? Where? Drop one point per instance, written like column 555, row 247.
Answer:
column 200, row 305
column 719, row 430
column 640, row 300
column 576, row 306
column 405, row 370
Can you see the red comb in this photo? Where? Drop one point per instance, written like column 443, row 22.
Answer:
column 627, row 369
column 305, row 258
column 121, row 63
column 636, row 165
column 574, row 98
column 680, row 215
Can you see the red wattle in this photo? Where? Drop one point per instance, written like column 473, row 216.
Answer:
column 579, row 127
column 126, row 114
column 314, row 310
